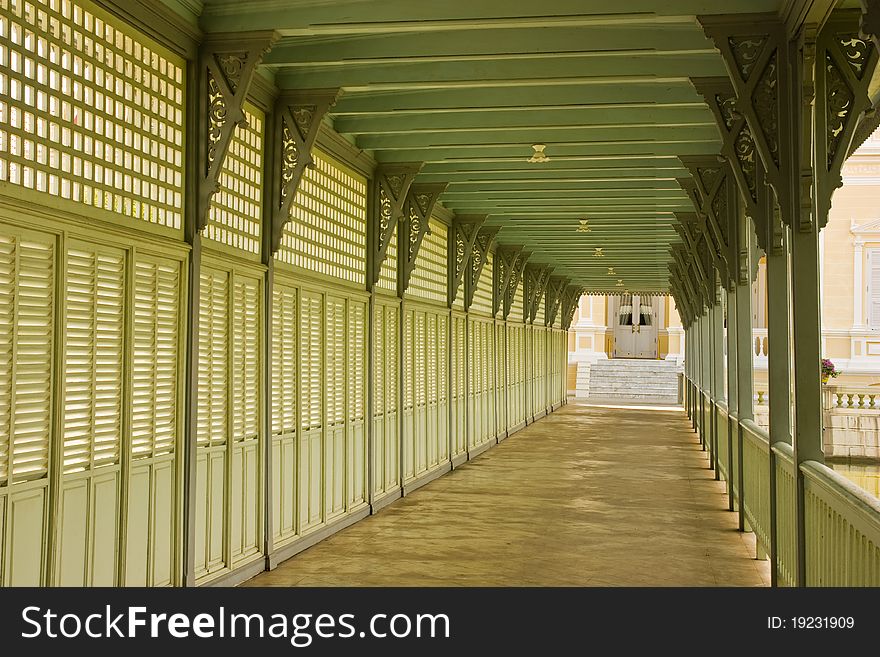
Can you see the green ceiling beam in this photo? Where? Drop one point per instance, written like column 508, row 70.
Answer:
column 603, row 40
column 440, row 153
column 591, row 116
column 402, row 16
column 576, row 65
column 615, row 185
column 569, row 163
column 490, row 99
column 569, row 134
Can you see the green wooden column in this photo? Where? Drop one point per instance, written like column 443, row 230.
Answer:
column 732, row 387
column 778, row 370
column 707, row 378
column 744, row 351
column 689, row 371
column 718, row 371
column 701, row 379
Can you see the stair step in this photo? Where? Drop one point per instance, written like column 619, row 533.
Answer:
column 620, row 379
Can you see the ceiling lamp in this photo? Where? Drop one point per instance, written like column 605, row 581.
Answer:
column 611, row 271
column 538, row 156
column 598, row 253
column 583, row 228
column 619, row 283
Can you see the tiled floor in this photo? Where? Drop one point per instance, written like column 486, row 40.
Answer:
column 588, row 496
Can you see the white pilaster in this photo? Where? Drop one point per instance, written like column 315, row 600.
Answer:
column 858, row 285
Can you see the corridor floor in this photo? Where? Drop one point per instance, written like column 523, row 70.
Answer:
column 588, row 496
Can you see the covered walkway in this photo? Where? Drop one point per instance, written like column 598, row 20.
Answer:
column 585, row 497
column 267, row 267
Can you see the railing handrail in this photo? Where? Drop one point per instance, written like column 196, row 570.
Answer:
column 867, row 389
column 859, row 500
column 758, row 431
column 785, row 450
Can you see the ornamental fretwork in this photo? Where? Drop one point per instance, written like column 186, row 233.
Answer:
column 462, row 238
column 479, row 256
column 415, row 224
column 227, row 63
column 298, row 116
column 391, row 182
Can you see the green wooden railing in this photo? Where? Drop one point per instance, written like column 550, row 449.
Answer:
column 841, row 521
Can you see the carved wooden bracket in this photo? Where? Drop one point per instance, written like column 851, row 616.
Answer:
column 479, row 255
column 737, row 144
column 297, row 118
column 714, row 190
column 845, row 63
column 390, row 184
column 755, row 50
column 516, row 271
column 698, row 256
column 462, row 237
column 738, row 148
column 684, row 273
column 681, row 300
column 227, row 63
column 553, row 298
column 535, row 279
column 505, row 257
column 417, row 208
column 692, row 240
column 570, row 298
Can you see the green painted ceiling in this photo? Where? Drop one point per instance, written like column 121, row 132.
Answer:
column 467, row 86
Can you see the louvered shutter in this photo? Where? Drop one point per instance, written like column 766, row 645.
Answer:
column 155, row 357
column 874, row 288
column 442, row 362
column 408, row 382
column 311, row 365
column 379, row 362
column 391, row 347
column 93, row 344
column 27, row 297
column 335, row 361
column 357, row 344
column 419, row 353
column 213, row 356
column 246, row 359
column 284, row 360
column 431, row 346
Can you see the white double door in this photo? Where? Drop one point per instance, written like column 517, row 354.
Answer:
column 635, row 326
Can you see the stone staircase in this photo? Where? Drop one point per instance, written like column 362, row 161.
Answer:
column 636, row 380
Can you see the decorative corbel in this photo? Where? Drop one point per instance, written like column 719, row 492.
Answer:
column 391, row 182
column 462, row 238
column 535, row 278
column 845, row 63
column 688, row 230
column 479, row 255
column 505, row 257
column 738, row 148
column 686, row 273
column 737, row 143
column 227, row 64
column 297, row 118
column 570, row 298
column 553, row 298
column 415, row 224
column 539, row 293
column 711, row 178
column 516, row 271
